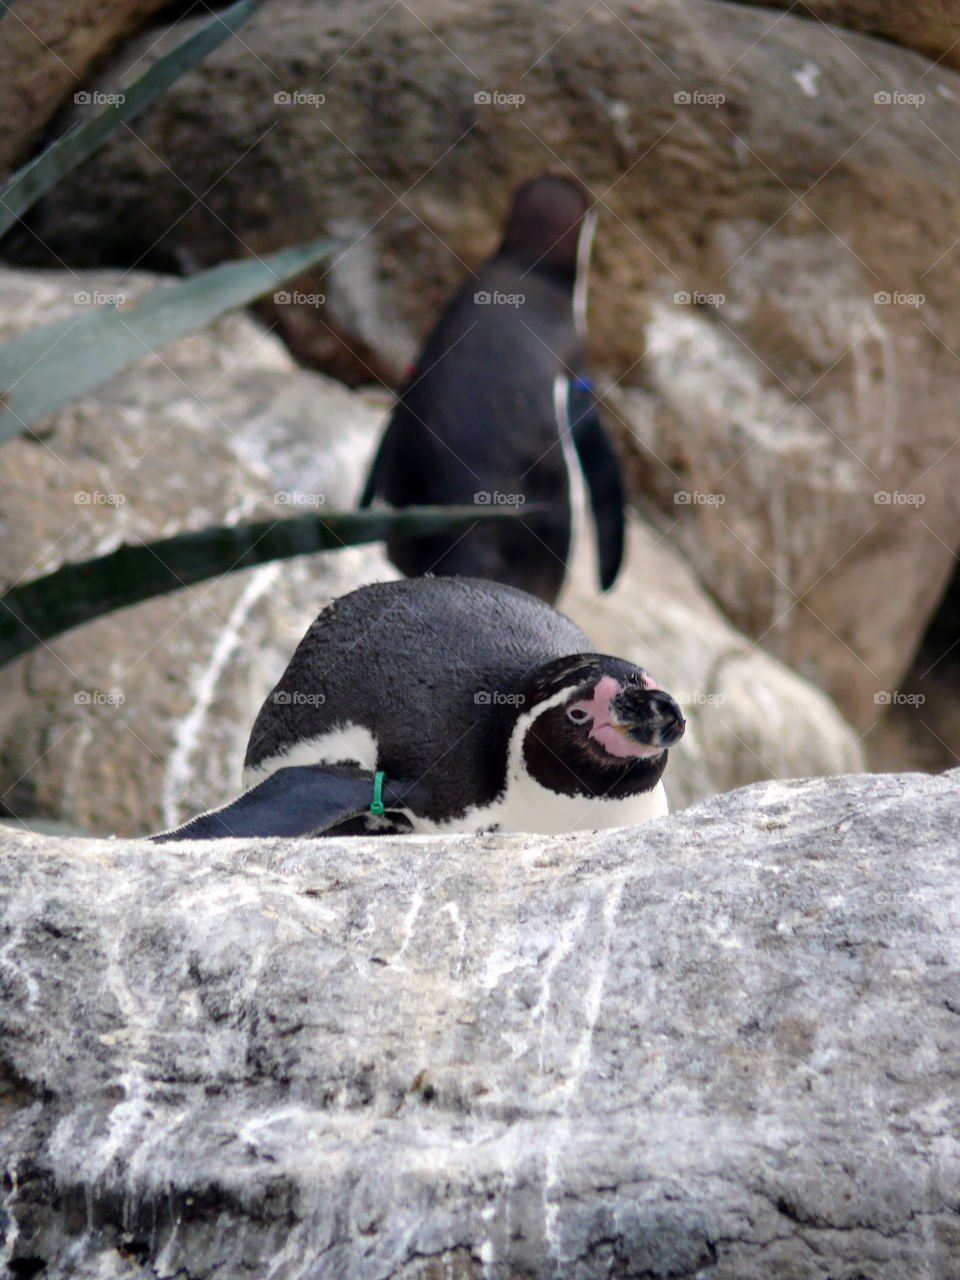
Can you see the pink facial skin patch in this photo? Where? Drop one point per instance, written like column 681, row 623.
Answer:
column 613, row 739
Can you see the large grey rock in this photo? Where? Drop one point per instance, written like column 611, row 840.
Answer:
column 48, row 49
column 130, row 723
column 929, row 26
column 127, row 723
column 723, row 1045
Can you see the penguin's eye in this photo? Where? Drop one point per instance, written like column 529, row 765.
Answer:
column 578, row 715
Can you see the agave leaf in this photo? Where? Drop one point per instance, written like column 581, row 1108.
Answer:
column 76, row 593
column 45, row 369
column 28, row 184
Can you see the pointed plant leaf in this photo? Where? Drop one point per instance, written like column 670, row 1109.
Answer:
column 28, row 184
column 76, row 593
column 45, row 369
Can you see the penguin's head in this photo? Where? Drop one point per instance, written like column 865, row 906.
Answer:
column 597, row 725
column 544, row 224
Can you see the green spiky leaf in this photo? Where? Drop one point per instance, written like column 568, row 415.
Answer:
column 45, row 369
column 37, row 611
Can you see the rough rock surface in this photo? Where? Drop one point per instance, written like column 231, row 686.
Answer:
column 737, row 154
column 47, row 50
column 931, row 27
column 723, row 1045
column 127, row 724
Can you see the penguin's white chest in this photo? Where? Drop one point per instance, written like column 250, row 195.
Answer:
column 528, row 806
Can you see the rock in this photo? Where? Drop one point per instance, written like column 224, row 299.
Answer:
column 931, row 27
column 723, row 1045
column 134, row 721
column 128, row 722
column 800, row 177
column 48, row 50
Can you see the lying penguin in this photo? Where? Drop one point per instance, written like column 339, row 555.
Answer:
column 497, row 395
column 449, row 704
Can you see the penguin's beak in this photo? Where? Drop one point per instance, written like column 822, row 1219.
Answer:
column 649, row 717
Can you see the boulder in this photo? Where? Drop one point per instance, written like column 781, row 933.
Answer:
column 722, row 1045
column 131, row 722
column 48, row 50
column 931, row 27
column 776, row 266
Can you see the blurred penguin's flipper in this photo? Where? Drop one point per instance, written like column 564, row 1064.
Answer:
column 601, row 470
column 302, row 800
column 373, row 478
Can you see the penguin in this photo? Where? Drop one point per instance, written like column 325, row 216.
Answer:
column 449, row 705
column 498, row 409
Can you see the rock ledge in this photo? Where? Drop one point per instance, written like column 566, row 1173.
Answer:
column 722, row 1045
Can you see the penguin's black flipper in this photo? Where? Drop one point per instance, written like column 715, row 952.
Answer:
column 601, row 471
column 301, row 800
column 373, row 477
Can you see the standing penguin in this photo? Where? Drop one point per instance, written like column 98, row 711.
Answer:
column 450, row 704
column 488, row 413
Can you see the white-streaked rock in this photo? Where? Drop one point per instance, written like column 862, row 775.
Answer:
column 723, row 1045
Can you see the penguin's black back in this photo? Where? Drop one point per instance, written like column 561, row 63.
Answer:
column 407, row 661
column 478, row 417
